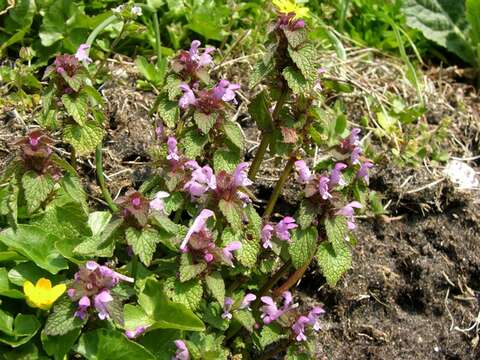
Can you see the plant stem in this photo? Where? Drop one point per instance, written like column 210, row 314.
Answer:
column 134, row 266
column 292, row 280
column 278, row 187
column 158, row 44
column 101, row 178
column 270, row 283
column 262, row 148
column 73, row 158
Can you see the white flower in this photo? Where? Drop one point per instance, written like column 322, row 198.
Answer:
column 137, row 11
column 118, row 9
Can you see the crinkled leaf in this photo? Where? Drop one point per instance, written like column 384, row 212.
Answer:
column 269, row 334
column 258, row 110
column 188, row 293
column 303, row 58
column 296, row 38
column 296, row 81
column 306, row 214
column 260, row 71
column 168, row 111
column 226, row 160
column 303, row 246
column 83, row 138
column 234, row 133
column 188, row 269
column 233, row 213
column 245, row 318
column 333, row 263
column 336, row 228
column 62, row 319
column 77, row 107
column 193, row 142
column 216, row 285
column 204, row 121
column 143, row 243
column 37, row 189
column 248, row 253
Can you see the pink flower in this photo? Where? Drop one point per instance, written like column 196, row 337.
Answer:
column 198, row 225
column 323, row 187
column 132, row 334
column 247, row 300
column 352, row 141
column 201, row 59
column 82, row 53
column 225, row 91
column 266, row 235
column 283, row 227
column 182, row 351
column 299, row 328
column 313, row 316
column 363, row 171
column 105, row 271
column 227, row 306
column 356, row 155
column 172, row 149
column 336, row 176
column 304, row 173
column 83, row 306
column 202, row 180
column 101, row 302
column 270, row 312
column 348, row 211
column 227, row 251
column 157, row 203
column 240, row 176
column 188, row 99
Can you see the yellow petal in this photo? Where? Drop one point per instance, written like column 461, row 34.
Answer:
column 44, row 283
column 28, row 288
column 57, row 291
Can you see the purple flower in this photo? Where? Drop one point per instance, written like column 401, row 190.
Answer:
column 82, row 53
column 299, row 328
column 157, row 203
column 182, row 351
column 201, row 59
column 356, row 155
column 323, row 187
column 227, row 306
column 336, row 176
column 172, row 149
column 159, row 130
column 132, row 334
column 188, row 99
column 313, row 316
column 83, row 306
column 191, row 62
column 202, row 180
column 283, row 227
column 270, row 312
column 348, row 211
column 287, row 301
column 198, row 225
column 246, row 301
column 101, row 302
column 266, row 235
column 136, row 11
column 240, row 176
column 363, row 171
column 227, row 250
column 304, row 173
column 107, row 272
column 225, row 91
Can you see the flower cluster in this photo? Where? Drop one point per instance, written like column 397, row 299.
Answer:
column 135, row 208
column 311, row 320
column 208, row 101
column 291, row 15
column 36, row 153
column 244, row 305
column 200, row 241
column 281, row 231
column 91, row 289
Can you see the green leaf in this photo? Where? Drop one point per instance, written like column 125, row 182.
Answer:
column 204, row 121
column 62, row 319
column 27, row 271
column 473, row 17
column 168, row 111
column 296, row 38
column 444, row 22
column 245, row 318
column 234, row 133
column 270, row 334
column 333, row 263
column 77, row 107
column 24, row 329
column 143, row 243
column 83, row 138
column 161, row 343
column 59, row 346
column 233, row 213
column 5, row 289
column 258, row 110
column 188, row 293
column 35, row 244
column 226, row 160
column 303, row 246
column 174, row 202
column 306, row 214
column 166, row 314
column 216, row 285
column 37, row 189
column 106, row 344
column 303, row 58
column 260, row 71
column 248, row 253
column 296, row 81
column 193, row 142
column 336, row 228
column 188, row 269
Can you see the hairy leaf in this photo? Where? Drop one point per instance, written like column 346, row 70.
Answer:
column 333, row 263
column 303, row 246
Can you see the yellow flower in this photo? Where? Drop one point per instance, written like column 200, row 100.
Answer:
column 291, row 6
column 42, row 295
